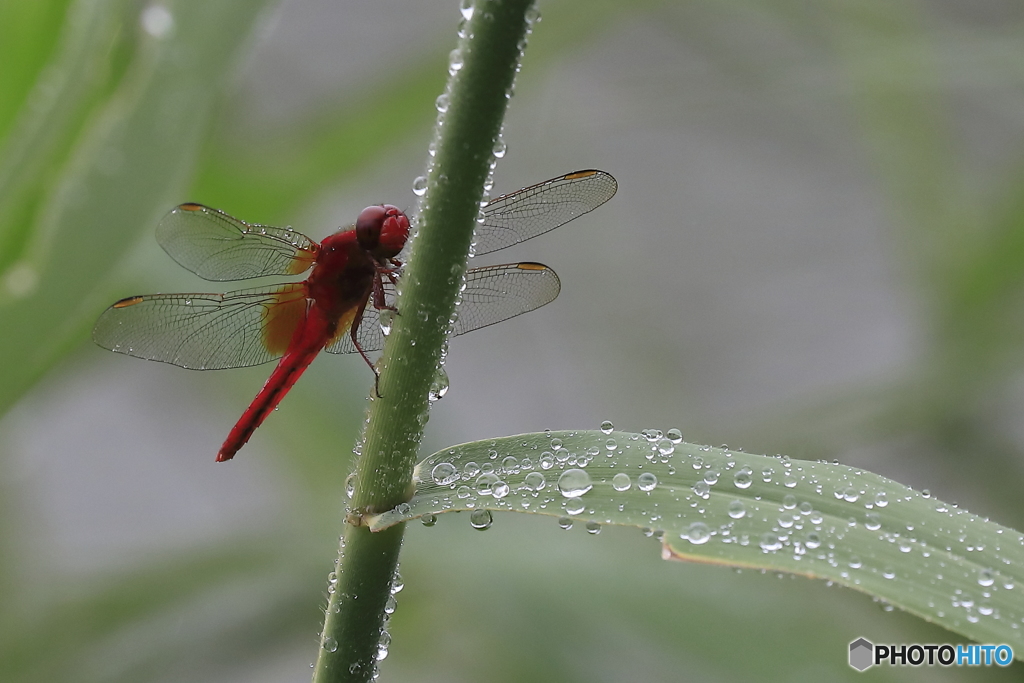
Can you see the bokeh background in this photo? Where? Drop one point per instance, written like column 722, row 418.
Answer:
column 817, row 249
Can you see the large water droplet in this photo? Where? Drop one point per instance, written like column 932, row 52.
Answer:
column 646, row 481
column 481, row 519
column 986, row 577
column 385, row 317
column 607, row 427
column 330, row 644
column 485, row 482
column 697, row 533
column 419, row 186
column 574, row 483
column 534, row 481
column 444, row 473
column 770, row 542
column 574, row 506
column 441, row 103
column 737, row 510
column 742, row 478
column 454, row 61
column 593, row 527
column 438, row 386
column 620, row 482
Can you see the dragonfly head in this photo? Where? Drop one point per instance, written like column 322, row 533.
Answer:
column 382, row 230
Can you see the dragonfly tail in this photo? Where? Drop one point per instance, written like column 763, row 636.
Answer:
column 287, row 372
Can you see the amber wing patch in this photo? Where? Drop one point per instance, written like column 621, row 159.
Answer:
column 283, row 318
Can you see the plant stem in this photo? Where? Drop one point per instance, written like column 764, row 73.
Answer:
column 477, row 98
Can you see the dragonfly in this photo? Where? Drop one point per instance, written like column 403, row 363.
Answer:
column 343, row 306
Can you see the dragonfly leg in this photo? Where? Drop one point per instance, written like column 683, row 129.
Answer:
column 379, row 301
column 354, row 335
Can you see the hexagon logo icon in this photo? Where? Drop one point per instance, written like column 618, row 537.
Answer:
column 861, row 654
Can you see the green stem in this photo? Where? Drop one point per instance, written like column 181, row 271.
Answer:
column 478, row 96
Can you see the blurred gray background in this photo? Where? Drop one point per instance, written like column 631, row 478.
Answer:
column 803, row 190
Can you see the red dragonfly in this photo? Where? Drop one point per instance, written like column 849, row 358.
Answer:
column 329, row 310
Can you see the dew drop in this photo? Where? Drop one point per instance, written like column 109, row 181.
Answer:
column 607, row 427
column 564, row 523
column 593, row 527
column 330, row 644
column 428, row 520
column 620, row 482
column 881, row 500
column 454, row 61
column 646, row 481
column 485, row 483
column 444, row 473
column 574, row 506
column 737, row 509
column 466, row 7
column 441, row 103
column 419, row 186
column 697, row 533
column 499, row 148
column 770, row 542
column 986, row 577
column 481, row 519
column 534, row 481
column 385, row 318
column 742, row 479
column 674, row 435
column 574, row 483
column 500, row 489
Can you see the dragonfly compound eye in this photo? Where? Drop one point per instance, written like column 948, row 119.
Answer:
column 369, row 225
column 394, row 232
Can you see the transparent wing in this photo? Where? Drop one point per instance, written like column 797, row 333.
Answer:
column 513, row 218
column 204, row 331
column 216, row 246
column 492, row 294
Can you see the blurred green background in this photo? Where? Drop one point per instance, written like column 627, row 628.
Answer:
column 817, row 249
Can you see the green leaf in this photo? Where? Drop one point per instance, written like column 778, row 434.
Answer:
column 718, row 506
column 104, row 144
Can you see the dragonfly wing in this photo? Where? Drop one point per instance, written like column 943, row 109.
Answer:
column 205, row 331
column 513, row 218
column 497, row 293
column 492, row 294
column 216, row 246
